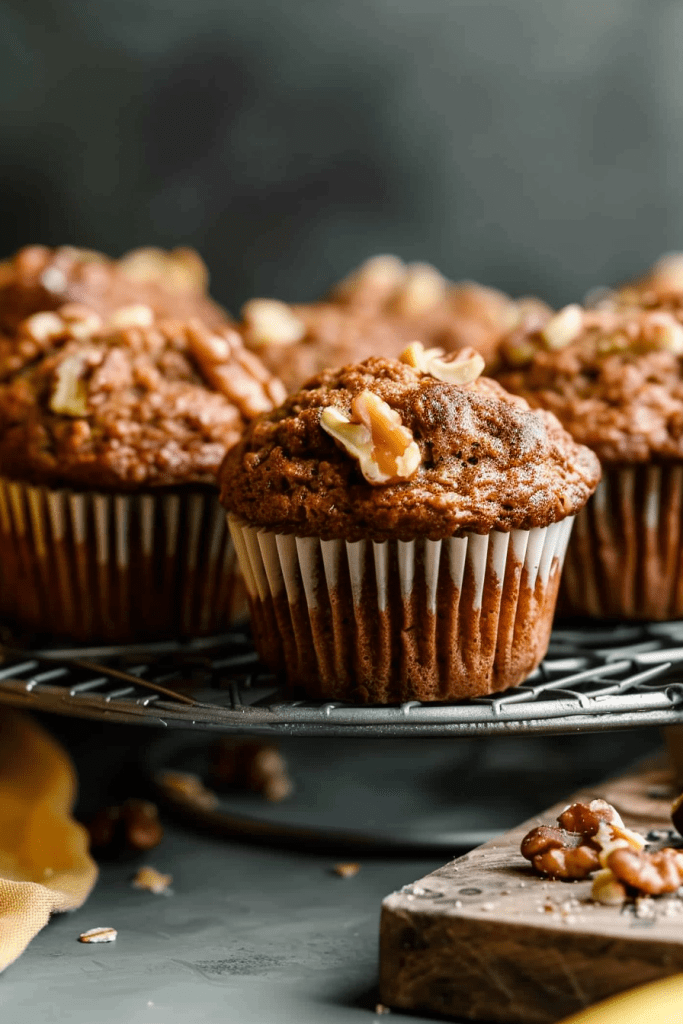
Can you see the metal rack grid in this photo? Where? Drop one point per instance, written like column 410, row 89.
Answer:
column 592, row 679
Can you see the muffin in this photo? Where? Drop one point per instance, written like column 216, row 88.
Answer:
column 401, row 525
column 614, row 379
column 380, row 308
column 173, row 284
column 111, row 432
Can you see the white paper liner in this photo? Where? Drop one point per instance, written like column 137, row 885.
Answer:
column 625, row 559
column 282, row 571
column 115, row 566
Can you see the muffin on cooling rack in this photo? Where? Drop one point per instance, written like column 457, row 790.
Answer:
column 173, row 284
column 614, row 378
column 380, row 308
column 401, row 526
column 111, row 432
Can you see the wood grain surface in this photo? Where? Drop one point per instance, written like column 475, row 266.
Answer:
column 484, row 938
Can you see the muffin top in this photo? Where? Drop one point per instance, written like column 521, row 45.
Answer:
column 126, row 403
column 172, row 283
column 383, row 449
column 612, row 376
column 660, row 286
column 378, row 310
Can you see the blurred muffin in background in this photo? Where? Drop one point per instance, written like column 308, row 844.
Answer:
column 172, row 284
column 378, row 309
column 613, row 376
column 111, row 432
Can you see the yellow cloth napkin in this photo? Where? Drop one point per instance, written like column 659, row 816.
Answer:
column 44, row 861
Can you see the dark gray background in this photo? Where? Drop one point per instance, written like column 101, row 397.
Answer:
column 532, row 144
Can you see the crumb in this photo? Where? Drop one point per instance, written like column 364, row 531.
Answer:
column 98, row 935
column 252, row 765
column 346, row 870
column 152, row 880
column 187, row 787
column 488, row 906
column 380, row 1008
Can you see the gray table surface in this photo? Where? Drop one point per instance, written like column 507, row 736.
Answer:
column 251, row 933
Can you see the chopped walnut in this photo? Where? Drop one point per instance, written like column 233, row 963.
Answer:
column 152, row 880
column 422, row 288
column 130, row 316
column 460, row 367
column 233, row 370
column 376, row 281
column 131, row 826
column 269, row 322
column 651, row 873
column 560, row 854
column 80, row 321
column 346, row 870
column 251, row 765
column 181, row 270
column 188, row 788
column 586, row 818
column 607, row 888
column 70, row 394
column 587, row 835
column 564, row 327
column 385, row 449
column 98, row 935
column 43, row 327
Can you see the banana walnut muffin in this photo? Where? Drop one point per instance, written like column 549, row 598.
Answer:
column 172, row 284
column 111, row 432
column 401, row 525
column 614, row 378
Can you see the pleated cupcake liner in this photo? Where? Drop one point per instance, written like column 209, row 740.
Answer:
column 117, row 567
column 401, row 620
column 625, row 559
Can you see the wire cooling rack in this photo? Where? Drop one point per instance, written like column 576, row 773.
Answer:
column 591, row 680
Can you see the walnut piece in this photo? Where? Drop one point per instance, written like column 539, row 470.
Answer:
column 130, row 316
column 80, row 321
column 98, row 935
column 607, row 888
column 131, row 826
column 252, row 765
column 233, row 370
column 461, row 367
column 269, row 322
column 564, row 327
column 651, row 873
column 181, row 270
column 376, row 280
column 423, row 287
column 43, row 327
column 70, row 393
column 560, row 854
column 188, row 788
column 152, row 880
column 376, row 437
column 588, row 834
column 346, row 870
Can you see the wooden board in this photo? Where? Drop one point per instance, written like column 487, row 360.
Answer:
column 483, row 938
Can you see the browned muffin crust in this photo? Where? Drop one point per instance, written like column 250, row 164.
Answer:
column 172, row 283
column 487, row 462
column 103, row 407
column 617, row 387
column 381, row 307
